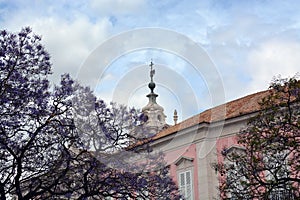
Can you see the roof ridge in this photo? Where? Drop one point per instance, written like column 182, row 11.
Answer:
column 241, row 106
column 224, row 104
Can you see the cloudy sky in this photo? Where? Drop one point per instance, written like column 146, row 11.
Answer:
column 205, row 52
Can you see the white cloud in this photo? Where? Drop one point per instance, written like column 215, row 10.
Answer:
column 70, row 43
column 116, row 7
column 246, row 54
column 68, row 34
column 236, row 35
column 272, row 58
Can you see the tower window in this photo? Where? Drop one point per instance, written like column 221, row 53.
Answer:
column 145, row 118
column 159, row 117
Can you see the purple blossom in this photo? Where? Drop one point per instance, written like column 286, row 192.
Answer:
column 62, row 142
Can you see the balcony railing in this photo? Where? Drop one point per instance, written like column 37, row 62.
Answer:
column 283, row 194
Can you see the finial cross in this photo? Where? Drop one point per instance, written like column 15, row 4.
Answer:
column 152, row 71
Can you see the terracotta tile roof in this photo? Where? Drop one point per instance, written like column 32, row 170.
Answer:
column 242, row 106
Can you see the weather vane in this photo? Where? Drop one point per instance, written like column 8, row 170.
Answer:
column 152, row 71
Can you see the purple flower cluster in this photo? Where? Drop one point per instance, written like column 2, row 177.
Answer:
column 62, row 142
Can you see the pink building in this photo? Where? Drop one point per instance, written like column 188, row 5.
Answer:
column 192, row 145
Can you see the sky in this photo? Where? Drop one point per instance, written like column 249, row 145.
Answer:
column 205, row 52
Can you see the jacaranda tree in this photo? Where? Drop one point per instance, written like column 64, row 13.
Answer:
column 267, row 166
column 61, row 142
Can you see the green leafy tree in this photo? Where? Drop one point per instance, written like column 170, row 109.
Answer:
column 267, row 166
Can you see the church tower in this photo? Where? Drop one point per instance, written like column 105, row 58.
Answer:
column 155, row 119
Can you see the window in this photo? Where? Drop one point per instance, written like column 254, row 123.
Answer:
column 276, row 165
column 145, row 118
column 277, row 173
column 235, row 176
column 159, row 117
column 185, row 184
column 142, row 195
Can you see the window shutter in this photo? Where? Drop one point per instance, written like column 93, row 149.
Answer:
column 182, row 183
column 185, row 185
column 188, row 185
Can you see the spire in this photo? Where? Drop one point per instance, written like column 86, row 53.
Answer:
column 151, row 85
column 175, row 117
column 152, row 96
column 153, row 112
column 152, row 71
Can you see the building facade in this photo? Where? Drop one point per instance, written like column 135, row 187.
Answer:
column 193, row 145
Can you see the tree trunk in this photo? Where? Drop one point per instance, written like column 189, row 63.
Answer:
column 2, row 192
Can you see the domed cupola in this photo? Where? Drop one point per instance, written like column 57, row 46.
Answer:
column 155, row 119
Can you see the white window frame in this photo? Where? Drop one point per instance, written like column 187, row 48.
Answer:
column 183, row 188
column 228, row 161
